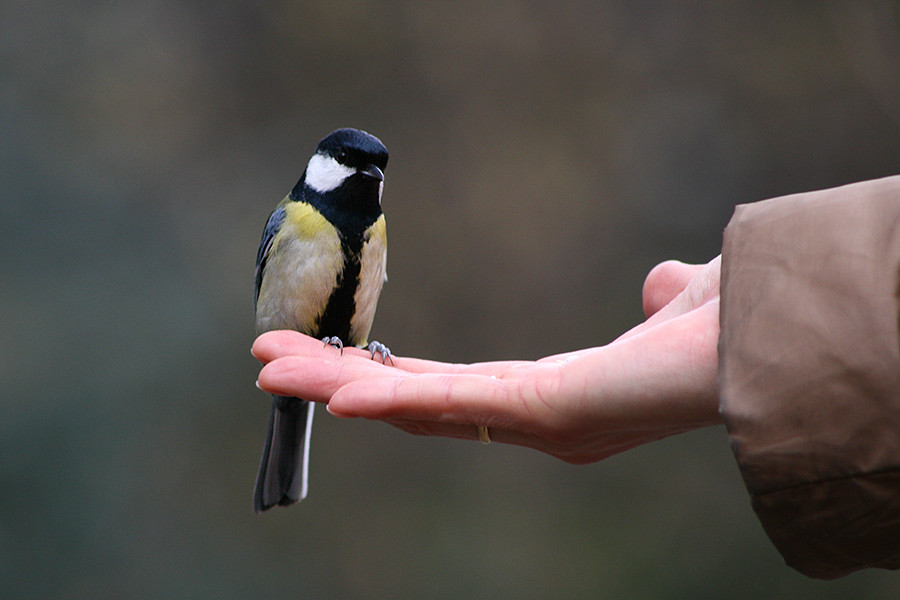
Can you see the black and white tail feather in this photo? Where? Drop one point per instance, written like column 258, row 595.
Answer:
column 283, row 469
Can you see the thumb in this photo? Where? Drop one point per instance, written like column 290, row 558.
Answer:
column 664, row 282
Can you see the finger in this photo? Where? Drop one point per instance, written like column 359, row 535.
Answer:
column 459, row 399
column 315, row 374
column 436, row 429
column 275, row 344
column 470, row 432
column 574, row 451
column 316, row 378
column 703, row 287
column 664, row 282
column 272, row 345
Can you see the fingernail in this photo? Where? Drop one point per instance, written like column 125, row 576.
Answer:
column 333, row 413
column 257, row 384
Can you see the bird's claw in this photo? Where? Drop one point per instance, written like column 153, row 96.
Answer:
column 334, row 341
column 379, row 348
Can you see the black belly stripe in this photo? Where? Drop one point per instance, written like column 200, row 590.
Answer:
column 335, row 320
column 352, row 209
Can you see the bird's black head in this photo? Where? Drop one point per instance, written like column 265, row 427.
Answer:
column 344, row 179
column 354, row 148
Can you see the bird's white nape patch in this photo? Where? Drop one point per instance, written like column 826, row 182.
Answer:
column 324, row 174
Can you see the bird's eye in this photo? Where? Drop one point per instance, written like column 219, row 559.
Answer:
column 341, row 157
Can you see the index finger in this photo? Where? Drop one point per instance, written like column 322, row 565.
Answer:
column 273, row 345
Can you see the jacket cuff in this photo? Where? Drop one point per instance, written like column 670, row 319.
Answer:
column 809, row 372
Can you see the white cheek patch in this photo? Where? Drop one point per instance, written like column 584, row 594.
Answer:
column 324, row 174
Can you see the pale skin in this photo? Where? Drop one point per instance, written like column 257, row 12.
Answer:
column 656, row 380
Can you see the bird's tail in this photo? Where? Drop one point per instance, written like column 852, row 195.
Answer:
column 283, row 467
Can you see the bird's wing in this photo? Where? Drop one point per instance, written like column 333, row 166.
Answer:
column 272, row 226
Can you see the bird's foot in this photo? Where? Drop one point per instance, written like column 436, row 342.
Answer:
column 379, row 348
column 334, row 341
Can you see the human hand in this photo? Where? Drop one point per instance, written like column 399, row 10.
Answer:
column 656, row 380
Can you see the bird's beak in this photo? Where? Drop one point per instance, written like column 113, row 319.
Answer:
column 372, row 171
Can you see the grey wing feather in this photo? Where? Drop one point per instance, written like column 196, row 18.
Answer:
column 272, row 226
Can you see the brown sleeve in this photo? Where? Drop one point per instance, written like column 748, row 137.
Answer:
column 809, row 372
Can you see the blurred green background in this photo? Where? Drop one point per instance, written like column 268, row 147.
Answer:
column 544, row 156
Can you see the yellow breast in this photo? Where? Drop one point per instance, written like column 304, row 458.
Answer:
column 301, row 271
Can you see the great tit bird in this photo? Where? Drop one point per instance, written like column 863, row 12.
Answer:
column 319, row 270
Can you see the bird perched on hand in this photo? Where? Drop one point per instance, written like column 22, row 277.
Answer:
column 319, row 270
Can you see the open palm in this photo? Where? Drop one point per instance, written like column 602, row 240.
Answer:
column 656, row 380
